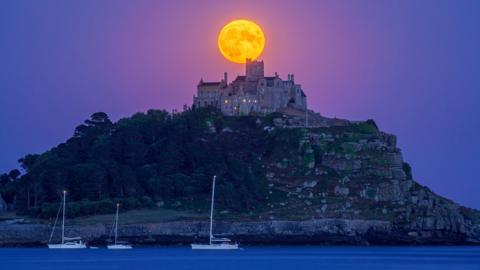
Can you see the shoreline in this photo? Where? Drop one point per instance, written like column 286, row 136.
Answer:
column 319, row 232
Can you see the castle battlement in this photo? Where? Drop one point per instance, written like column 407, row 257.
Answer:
column 251, row 93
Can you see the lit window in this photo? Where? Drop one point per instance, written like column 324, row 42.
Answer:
column 244, row 100
column 226, row 101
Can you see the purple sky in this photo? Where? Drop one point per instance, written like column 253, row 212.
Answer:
column 413, row 66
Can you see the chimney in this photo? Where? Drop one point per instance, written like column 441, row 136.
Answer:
column 225, row 77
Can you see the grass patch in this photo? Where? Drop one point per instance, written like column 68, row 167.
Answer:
column 141, row 216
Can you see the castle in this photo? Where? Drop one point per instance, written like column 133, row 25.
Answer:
column 252, row 93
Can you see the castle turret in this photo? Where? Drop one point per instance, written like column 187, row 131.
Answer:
column 254, row 70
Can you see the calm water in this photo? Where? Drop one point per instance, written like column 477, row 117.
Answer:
column 251, row 258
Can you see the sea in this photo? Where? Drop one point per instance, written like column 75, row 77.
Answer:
column 277, row 258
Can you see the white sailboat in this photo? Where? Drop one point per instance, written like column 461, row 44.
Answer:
column 214, row 242
column 67, row 242
column 118, row 245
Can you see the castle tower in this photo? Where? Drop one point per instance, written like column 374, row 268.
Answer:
column 254, row 70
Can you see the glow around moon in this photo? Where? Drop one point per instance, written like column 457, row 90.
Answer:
column 240, row 40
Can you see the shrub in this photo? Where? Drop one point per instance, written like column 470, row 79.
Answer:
column 147, row 201
column 130, row 203
column 106, row 206
column 367, row 128
column 372, row 123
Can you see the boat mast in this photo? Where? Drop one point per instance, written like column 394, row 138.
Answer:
column 63, row 218
column 116, row 224
column 211, row 209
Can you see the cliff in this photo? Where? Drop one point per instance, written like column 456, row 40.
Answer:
column 335, row 182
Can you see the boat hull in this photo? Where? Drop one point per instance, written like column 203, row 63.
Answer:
column 215, row 246
column 119, row 247
column 67, row 246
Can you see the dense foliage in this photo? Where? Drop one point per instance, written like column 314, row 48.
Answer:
column 142, row 160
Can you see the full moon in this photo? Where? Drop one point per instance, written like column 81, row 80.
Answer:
column 240, row 40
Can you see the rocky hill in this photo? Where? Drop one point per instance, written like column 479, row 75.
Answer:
column 335, row 181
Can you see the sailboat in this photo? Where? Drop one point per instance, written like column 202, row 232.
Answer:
column 67, row 242
column 118, row 245
column 214, row 242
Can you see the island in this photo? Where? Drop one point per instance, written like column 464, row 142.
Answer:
column 288, row 177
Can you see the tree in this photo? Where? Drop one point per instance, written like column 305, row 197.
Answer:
column 154, row 156
column 4, row 179
column 99, row 119
column 28, row 161
column 14, row 174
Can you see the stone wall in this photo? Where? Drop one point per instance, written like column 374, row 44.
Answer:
column 322, row 231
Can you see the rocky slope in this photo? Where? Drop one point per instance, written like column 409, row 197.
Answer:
column 354, row 172
column 335, row 182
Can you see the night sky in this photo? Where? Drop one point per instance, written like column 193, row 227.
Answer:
column 413, row 66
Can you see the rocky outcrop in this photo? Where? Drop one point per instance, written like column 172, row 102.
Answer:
column 323, row 231
column 360, row 173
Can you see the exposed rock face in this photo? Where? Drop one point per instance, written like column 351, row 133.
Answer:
column 332, row 231
column 360, row 174
column 324, row 231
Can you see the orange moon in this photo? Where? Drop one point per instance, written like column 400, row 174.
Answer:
column 240, row 40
